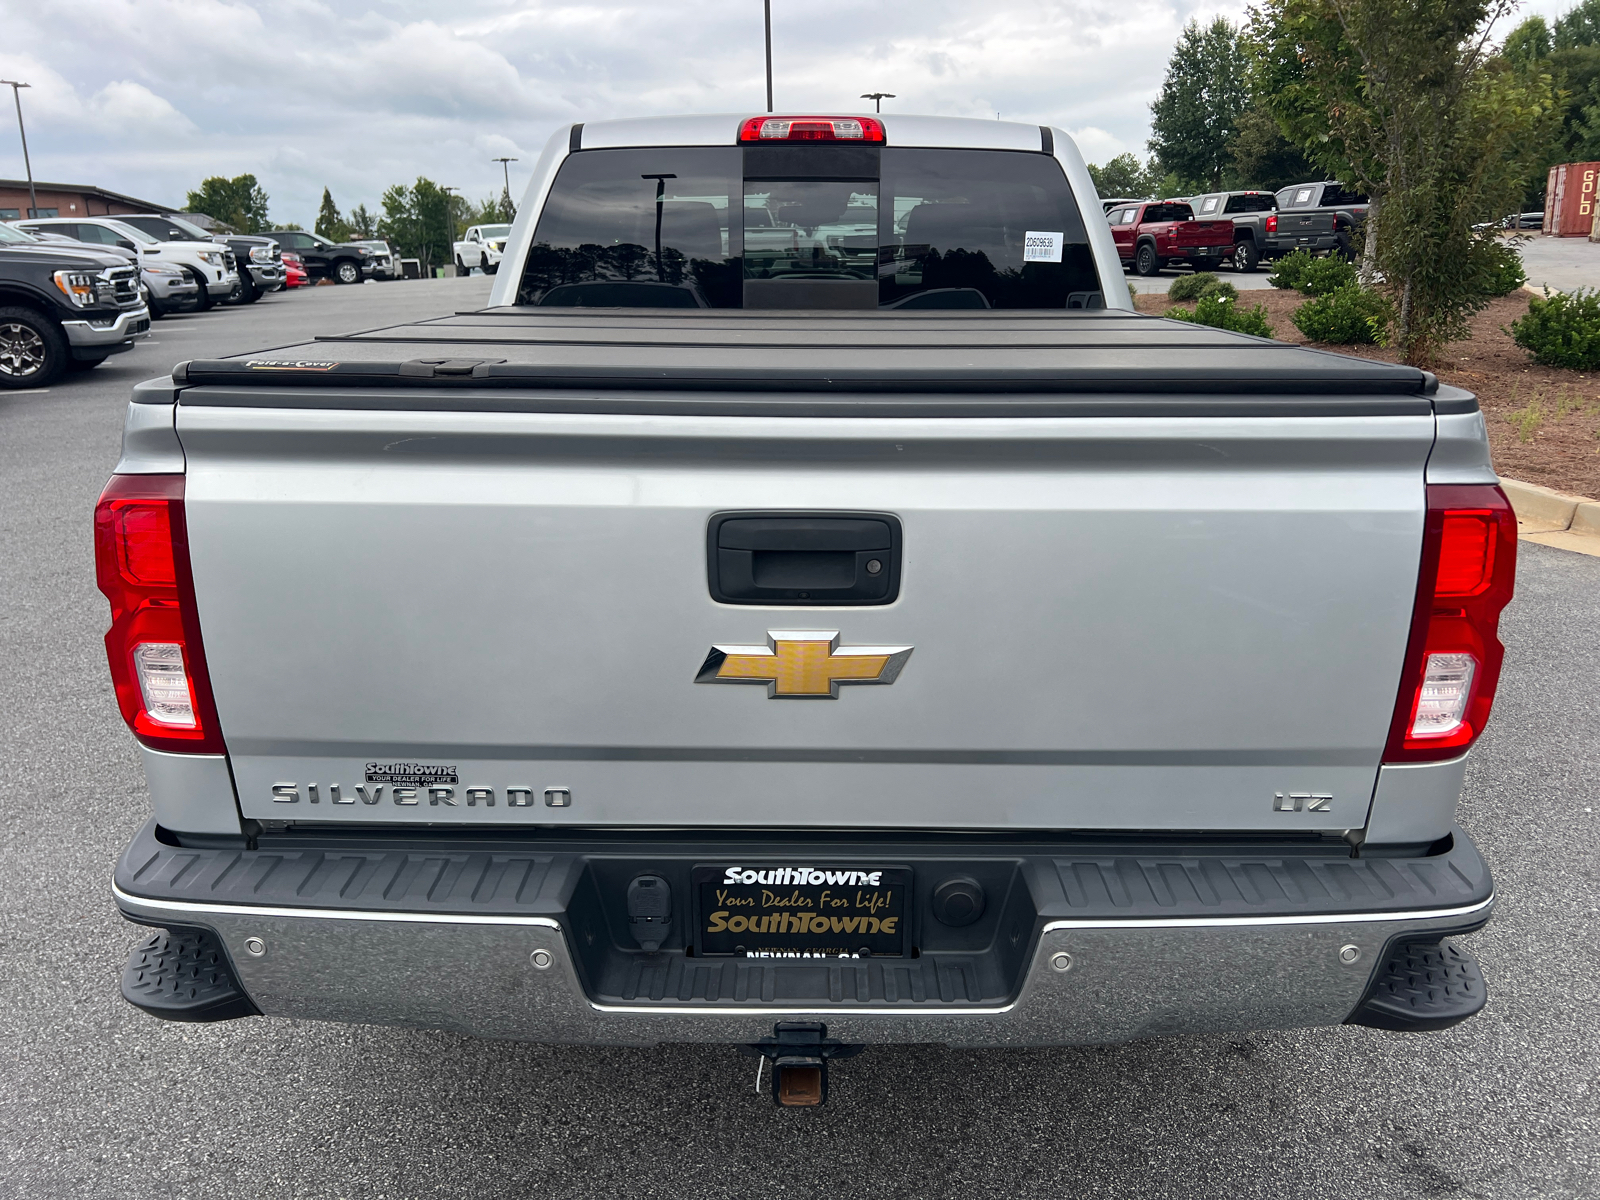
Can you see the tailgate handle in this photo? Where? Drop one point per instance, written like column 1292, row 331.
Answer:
column 803, row 558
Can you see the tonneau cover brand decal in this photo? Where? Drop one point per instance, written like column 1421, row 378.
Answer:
column 299, row 364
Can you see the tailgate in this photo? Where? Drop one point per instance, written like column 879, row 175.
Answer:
column 1112, row 622
column 1204, row 233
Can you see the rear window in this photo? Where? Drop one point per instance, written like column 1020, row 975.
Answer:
column 1169, row 212
column 1255, row 202
column 810, row 227
column 1209, row 205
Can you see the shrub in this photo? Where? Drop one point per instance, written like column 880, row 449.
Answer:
column 1346, row 316
column 1192, row 287
column 1221, row 312
column 1324, row 276
column 1504, row 273
column 1220, row 287
column 1286, row 272
column 1562, row 330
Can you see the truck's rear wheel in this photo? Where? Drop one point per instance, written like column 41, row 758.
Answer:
column 1245, row 256
column 33, row 350
column 1147, row 261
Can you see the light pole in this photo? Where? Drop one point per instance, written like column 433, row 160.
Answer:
column 877, row 99
column 450, row 220
column 16, row 94
column 767, row 10
column 505, row 166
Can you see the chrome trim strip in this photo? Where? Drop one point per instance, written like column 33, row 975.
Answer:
column 362, row 914
column 1312, row 919
column 781, row 1013
column 246, row 910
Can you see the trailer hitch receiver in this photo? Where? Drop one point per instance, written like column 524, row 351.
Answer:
column 799, row 1052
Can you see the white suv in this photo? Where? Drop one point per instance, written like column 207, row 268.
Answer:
column 209, row 264
column 483, row 247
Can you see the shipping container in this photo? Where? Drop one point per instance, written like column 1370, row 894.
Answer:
column 1569, row 207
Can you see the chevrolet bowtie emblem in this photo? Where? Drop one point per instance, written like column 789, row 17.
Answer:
column 805, row 665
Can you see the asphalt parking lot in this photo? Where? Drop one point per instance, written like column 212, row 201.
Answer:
column 102, row 1101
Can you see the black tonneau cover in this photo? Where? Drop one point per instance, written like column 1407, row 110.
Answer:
column 811, row 363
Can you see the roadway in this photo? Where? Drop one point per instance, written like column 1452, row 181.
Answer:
column 101, row 1101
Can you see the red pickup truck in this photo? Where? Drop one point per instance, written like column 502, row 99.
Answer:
column 1148, row 234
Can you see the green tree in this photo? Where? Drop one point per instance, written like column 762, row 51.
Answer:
column 1124, row 175
column 418, row 220
column 488, row 211
column 1196, row 114
column 1528, row 45
column 1435, row 125
column 1575, row 63
column 508, row 206
column 1580, row 27
column 329, row 223
column 1261, row 157
column 239, row 202
column 363, row 224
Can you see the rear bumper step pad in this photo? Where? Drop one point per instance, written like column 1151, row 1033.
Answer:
column 184, row 975
column 1422, row 986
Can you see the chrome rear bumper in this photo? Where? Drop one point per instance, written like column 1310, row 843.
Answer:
column 1089, row 981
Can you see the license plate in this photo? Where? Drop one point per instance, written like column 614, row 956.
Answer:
column 800, row 910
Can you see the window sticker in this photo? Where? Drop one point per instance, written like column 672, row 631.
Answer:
column 1042, row 247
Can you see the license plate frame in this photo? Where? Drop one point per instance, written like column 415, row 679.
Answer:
column 865, row 910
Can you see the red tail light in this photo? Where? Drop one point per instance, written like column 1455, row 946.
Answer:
column 811, row 129
column 1452, row 666
column 141, row 551
column 1272, row 223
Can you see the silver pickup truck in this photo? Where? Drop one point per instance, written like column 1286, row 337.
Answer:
column 807, row 608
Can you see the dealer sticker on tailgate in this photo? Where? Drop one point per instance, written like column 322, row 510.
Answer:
column 797, row 910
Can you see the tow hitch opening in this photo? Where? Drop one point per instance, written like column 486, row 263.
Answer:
column 799, row 1052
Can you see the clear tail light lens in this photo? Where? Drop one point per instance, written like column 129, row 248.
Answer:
column 157, row 662
column 1452, row 666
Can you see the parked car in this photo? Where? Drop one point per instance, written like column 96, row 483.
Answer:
column 208, row 264
column 63, row 308
column 294, row 271
column 169, row 288
column 764, row 703
column 383, row 259
column 258, row 257
column 482, row 246
column 342, row 262
column 1301, row 207
column 1514, row 221
column 1106, row 205
column 1251, row 213
column 166, row 288
column 1151, row 235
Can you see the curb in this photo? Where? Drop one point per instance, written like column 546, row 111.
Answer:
column 1553, row 518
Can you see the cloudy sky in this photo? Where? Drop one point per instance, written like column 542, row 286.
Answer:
column 150, row 96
